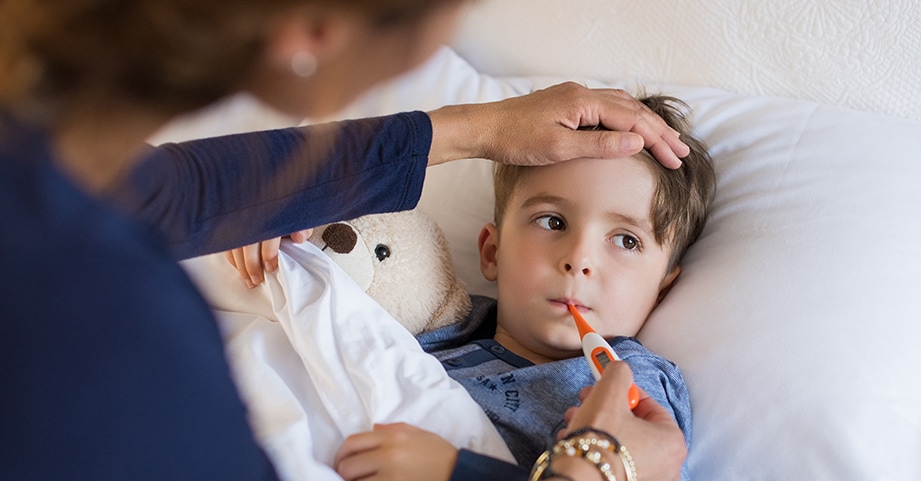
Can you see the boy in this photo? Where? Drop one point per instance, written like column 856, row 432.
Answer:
column 604, row 235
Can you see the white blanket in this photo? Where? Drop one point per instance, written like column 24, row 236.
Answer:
column 317, row 360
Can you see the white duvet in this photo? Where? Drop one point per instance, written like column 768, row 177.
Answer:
column 317, row 360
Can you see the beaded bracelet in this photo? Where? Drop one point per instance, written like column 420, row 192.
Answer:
column 589, row 449
column 622, row 453
column 594, row 457
column 589, row 429
column 542, row 469
column 582, row 446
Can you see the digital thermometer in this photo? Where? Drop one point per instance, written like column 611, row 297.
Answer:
column 598, row 353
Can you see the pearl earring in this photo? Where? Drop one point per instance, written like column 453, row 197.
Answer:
column 303, row 64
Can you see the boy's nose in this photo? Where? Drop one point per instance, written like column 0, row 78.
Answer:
column 583, row 267
column 577, row 259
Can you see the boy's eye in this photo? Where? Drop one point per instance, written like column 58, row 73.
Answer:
column 626, row 241
column 551, row 222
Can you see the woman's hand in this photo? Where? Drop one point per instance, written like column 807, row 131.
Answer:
column 398, row 452
column 650, row 434
column 541, row 128
column 254, row 260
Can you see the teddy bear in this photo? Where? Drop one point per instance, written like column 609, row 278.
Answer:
column 401, row 260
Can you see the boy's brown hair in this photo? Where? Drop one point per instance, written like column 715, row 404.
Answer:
column 682, row 198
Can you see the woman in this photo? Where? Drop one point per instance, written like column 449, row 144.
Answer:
column 111, row 361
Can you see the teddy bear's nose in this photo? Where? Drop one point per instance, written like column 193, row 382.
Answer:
column 340, row 238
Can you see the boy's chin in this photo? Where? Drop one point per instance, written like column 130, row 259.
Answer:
column 565, row 351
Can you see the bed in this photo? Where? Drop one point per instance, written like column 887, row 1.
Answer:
column 797, row 316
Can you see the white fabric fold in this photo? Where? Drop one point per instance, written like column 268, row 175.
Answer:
column 317, row 360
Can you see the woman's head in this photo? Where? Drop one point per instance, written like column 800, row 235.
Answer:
column 177, row 55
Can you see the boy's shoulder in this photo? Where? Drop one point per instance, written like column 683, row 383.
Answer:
column 632, row 350
column 479, row 323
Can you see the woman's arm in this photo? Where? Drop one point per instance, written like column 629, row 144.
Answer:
column 215, row 194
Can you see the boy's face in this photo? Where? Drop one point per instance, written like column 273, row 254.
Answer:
column 576, row 232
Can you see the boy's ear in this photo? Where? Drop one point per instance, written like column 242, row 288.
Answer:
column 488, row 243
column 667, row 282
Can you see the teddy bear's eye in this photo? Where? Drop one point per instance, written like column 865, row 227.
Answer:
column 382, row 252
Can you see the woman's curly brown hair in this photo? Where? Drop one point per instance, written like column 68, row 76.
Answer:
column 173, row 55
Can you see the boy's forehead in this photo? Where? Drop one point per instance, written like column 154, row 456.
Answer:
column 586, row 173
column 623, row 185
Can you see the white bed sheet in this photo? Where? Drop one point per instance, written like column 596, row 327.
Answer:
column 317, row 360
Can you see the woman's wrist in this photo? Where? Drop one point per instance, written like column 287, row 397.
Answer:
column 585, row 454
column 576, row 469
column 459, row 132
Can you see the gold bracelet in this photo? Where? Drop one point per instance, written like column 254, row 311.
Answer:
column 540, row 466
column 629, row 465
column 587, row 448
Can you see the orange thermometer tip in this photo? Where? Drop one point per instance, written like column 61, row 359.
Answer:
column 583, row 326
column 593, row 354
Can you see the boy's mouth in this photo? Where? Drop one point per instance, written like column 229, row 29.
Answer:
column 565, row 302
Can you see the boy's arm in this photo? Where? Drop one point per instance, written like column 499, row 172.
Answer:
column 663, row 382
column 401, row 452
column 660, row 378
column 395, row 452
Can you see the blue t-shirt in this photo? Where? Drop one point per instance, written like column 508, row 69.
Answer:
column 527, row 401
column 111, row 362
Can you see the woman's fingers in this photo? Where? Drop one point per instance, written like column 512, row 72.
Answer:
column 630, row 125
column 269, row 253
column 549, row 125
column 247, row 261
column 301, row 235
column 254, row 260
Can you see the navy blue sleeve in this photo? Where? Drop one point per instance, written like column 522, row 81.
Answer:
column 215, row 194
column 471, row 466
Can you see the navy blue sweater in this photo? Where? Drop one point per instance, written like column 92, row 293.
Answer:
column 111, row 364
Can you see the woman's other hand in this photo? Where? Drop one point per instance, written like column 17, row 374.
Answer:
column 650, row 434
column 254, row 260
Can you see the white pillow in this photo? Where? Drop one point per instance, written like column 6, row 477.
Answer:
column 796, row 316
